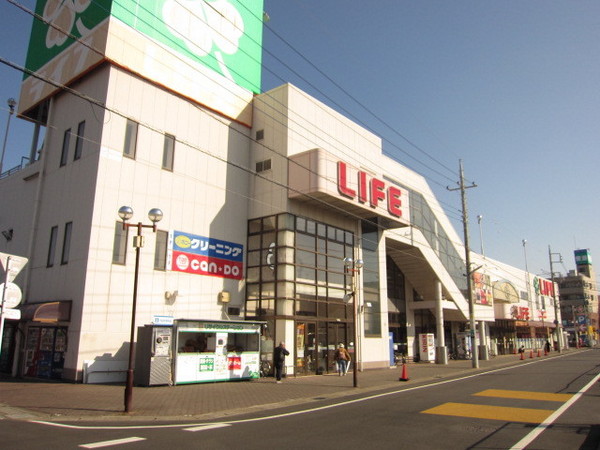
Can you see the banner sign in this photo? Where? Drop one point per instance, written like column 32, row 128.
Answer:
column 205, row 256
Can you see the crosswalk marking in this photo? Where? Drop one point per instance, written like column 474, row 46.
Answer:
column 525, row 395
column 528, row 415
column 113, row 442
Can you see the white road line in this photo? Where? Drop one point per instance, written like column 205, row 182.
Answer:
column 552, row 417
column 113, row 442
column 210, row 426
column 295, row 413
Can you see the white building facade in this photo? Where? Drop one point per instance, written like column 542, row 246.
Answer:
column 263, row 197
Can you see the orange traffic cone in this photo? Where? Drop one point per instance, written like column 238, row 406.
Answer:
column 404, row 376
column 539, row 353
column 522, row 356
column 531, row 354
column 545, row 352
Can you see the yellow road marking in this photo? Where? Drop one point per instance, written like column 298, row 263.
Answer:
column 525, row 395
column 528, row 415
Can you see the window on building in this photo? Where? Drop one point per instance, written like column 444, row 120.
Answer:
column 160, row 251
column 261, row 166
column 52, row 246
column 130, row 145
column 65, row 147
column 64, row 259
column 168, row 152
column 119, row 244
column 79, row 140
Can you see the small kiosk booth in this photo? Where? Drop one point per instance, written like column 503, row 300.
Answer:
column 214, row 350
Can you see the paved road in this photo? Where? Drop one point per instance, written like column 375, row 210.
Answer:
column 498, row 409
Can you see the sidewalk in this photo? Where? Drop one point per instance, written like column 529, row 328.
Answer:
column 73, row 402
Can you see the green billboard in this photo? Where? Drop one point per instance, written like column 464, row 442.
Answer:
column 224, row 35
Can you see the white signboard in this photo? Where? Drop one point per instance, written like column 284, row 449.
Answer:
column 12, row 295
column 15, row 263
column 12, row 314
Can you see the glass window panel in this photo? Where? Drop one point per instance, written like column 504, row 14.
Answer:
column 64, row 259
column 160, row 250
column 322, row 293
column 336, row 279
column 254, row 242
column 335, row 249
column 131, row 131
column 306, row 290
column 305, row 241
column 370, row 279
column 268, row 290
column 168, row 152
column 79, row 141
column 119, row 244
column 331, row 233
column 268, row 239
column 252, row 274
column 300, row 224
column 252, row 291
column 305, row 274
column 254, row 226
column 311, row 227
column 52, row 246
column 321, row 245
column 269, row 223
column 339, row 235
column 335, row 263
column 254, row 258
column 321, row 309
column 322, row 230
column 267, row 273
column 252, row 307
column 305, row 258
column 337, row 310
column 322, row 261
column 336, row 294
column 322, row 278
column 306, row 308
column 65, row 147
column 349, row 238
column 267, row 307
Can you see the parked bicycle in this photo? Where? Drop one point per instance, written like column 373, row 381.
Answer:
column 266, row 368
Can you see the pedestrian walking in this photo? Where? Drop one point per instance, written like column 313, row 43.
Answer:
column 279, row 360
column 342, row 357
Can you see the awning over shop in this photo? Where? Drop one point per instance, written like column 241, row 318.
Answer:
column 47, row 312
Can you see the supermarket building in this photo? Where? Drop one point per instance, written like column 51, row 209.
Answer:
column 263, row 197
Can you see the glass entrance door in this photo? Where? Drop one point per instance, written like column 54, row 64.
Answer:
column 306, row 348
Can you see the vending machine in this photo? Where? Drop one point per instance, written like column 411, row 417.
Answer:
column 153, row 356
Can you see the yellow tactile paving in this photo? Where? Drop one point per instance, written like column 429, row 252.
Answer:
column 525, row 395
column 528, row 415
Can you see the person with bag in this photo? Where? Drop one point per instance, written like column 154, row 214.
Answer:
column 342, row 357
column 279, row 355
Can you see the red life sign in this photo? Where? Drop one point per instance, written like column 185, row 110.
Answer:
column 370, row 189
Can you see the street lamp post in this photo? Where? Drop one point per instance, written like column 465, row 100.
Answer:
column 125, row 213
column 11, row 105
column 352, row 267
column 479, row 218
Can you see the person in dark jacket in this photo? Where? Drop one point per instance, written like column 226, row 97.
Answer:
column 279, row 360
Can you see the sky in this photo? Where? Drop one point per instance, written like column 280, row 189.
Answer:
column 510, row 87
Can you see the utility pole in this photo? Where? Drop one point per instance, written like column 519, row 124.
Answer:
column 465, row 218
column 557, row 325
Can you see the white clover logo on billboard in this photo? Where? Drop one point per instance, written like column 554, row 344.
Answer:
column 62, row 14
column 204, row 26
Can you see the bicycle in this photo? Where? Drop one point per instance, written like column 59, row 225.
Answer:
column 266, row 368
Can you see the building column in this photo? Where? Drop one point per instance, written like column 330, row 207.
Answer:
column 441, row 352
column 484, row 353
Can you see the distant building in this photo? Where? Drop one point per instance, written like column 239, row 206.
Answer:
column 579, row 300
